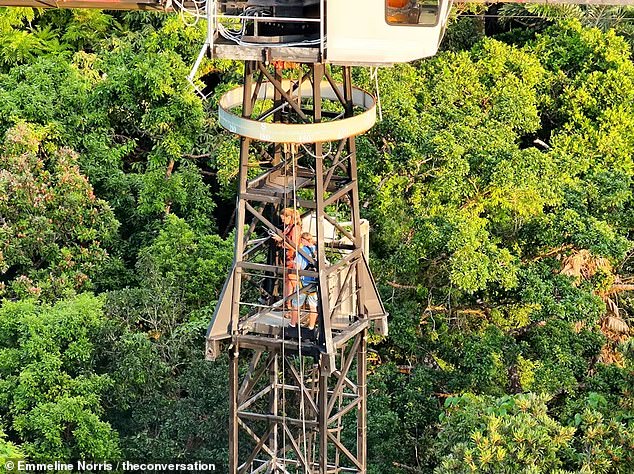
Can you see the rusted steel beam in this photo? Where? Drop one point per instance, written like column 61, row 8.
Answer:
column 555, row 2
column 160, row 5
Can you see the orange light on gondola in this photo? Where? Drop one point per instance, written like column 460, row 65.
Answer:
column 397, row 3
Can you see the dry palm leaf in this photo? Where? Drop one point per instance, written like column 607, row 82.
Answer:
column 615, row 324
column 583, row 265
column 610, row 356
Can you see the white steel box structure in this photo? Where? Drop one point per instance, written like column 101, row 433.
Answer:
column 346, row 32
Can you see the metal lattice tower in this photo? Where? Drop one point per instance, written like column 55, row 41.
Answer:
column 301, row 401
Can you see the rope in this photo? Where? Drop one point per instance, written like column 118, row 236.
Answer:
column 284, row 270
column 374, row 74
column 302, row 407
column 307, row 150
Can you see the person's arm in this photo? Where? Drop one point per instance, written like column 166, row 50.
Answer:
column 297, row 234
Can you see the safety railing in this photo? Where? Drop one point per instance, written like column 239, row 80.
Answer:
column 258, row 24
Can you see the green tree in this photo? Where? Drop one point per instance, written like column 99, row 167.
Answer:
column 53, row 227
column 195, row 264
column 518, row 434
column 50, row 390
column 167, row 400
column 495, row 173
column 509, row 434
column 8, row 450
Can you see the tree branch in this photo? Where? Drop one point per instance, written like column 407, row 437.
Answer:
column 551, row 252
column 619, row 288
column 406, row 468
column 521, row 332
column 393, row 284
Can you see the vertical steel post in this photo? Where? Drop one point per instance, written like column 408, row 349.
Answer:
column 323, row 293
column 245, row 144
column 323, row 421
column 277, row 117
column 233, row 410
column 352, row 167
column 239, row 250
column 362, row 414
column 273, row 401
column 354, row 193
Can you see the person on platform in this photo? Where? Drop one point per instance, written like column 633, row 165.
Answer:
column 307, row 291
column 292, row 220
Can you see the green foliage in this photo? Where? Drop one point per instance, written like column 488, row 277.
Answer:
column 463, row 32
column 20, row 47
column 385, row 434
column 161, row 397
column 509, row 434
column 495, row 165
column 165, row 401
column 452, row 173
column 87, row 28
column 43, row 93
column 518, row 434
column 134, row 127
column 8, row 450
column 605, row 443
column 14, row 17
column 53, row 226
column 17, row 45
column 50, row 388
column 195, row 264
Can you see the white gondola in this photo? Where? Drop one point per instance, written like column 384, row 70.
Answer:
column 351, row 32
column 383, row 31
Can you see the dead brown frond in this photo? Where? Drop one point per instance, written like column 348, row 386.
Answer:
column 612, row 309
column 471, row 312
column 611, row 356
column 618, row 288
column 582, row 265
column 615, row 324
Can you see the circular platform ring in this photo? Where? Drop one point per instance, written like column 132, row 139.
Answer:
column 297, row 133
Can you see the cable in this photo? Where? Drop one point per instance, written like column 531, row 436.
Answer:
column 302, row 406
column 237, row 35
column 284, row 329
column 307, row 150
column 184, row 10
column 374, row 74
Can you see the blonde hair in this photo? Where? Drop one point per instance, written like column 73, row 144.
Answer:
column 289, row 211
column 307, row 236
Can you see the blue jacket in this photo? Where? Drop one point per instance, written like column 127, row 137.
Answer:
column 303, row 263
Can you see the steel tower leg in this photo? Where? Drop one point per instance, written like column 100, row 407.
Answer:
column 233, row 410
